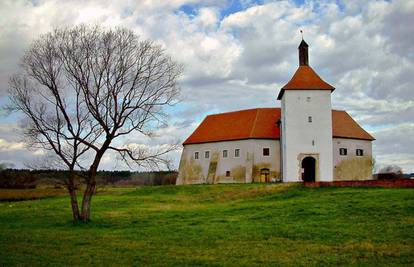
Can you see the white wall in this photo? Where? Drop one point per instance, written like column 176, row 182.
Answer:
column 255, row 148
column 252, row 147
column 356, row 169
column 301, row 138
column 352, row 145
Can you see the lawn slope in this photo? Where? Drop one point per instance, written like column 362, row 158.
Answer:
column 215, row 225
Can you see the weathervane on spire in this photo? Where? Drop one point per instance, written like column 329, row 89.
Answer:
column 303, row 52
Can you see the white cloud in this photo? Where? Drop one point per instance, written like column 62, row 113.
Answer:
column 207, row 17
column 10, row 146
column 394, row 146
column 363, row 48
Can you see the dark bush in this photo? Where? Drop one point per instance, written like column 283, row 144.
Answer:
column 390, row 172
column 17, row 179
column 388, row 176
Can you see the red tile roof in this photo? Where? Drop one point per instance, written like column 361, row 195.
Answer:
column 261, row 123
column 305, row 78
column 343, row 125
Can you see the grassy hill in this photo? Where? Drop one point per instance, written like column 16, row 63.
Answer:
column 216, row 225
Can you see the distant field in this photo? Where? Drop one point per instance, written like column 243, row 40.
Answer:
column 12, row 195
column 9, row 195
column 216, row 225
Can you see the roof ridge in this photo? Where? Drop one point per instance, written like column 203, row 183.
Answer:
column 234, row 111
column 254, row 122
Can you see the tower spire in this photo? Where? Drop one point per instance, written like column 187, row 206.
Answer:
column 303, row 52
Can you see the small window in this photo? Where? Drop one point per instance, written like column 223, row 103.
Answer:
column 227, row 173
column 266, row 151
column 359, row 152
column 224, row 153
column 308, row 99
column 310, row 119
column 207, row 154
column 343, row 151
column 237, row 152
column 196, row 155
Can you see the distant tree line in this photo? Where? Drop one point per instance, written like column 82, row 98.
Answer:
column 23, row 178
column 18, row 179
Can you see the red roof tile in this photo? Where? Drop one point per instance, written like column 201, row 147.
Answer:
column 261, row 123
column 243, row 124
column 343, row 125
column 305, row 78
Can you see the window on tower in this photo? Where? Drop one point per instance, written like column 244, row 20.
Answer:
column 310, row 119
column 343, row 151
column 359, row 152
column 266, row 151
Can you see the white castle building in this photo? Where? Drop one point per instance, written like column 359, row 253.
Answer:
column 304, row 140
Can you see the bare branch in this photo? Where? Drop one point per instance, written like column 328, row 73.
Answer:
column 81, row 88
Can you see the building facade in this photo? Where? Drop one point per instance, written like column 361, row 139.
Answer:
column 304, row 140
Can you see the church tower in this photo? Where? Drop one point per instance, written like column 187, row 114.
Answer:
column 306, row 125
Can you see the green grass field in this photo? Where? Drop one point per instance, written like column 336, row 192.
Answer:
column 216, row 225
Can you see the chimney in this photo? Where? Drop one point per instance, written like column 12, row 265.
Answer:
column 303, row 54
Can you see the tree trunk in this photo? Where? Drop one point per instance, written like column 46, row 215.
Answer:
column 73, row 198
column 87, row 195
column 91, row 182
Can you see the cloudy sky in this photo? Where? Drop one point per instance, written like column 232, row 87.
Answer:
column 238, row 53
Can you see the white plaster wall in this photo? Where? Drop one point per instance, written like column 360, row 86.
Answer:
column 351, row 145
column 254, row 147
column 273, row 159
column 298, row 133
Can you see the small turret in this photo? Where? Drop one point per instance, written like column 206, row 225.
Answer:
column 303, row 54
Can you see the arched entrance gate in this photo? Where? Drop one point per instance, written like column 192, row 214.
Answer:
column 309, row 169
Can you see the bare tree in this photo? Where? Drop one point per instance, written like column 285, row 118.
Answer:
column 393, row 169
column 38, row 94
column 83, row 88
